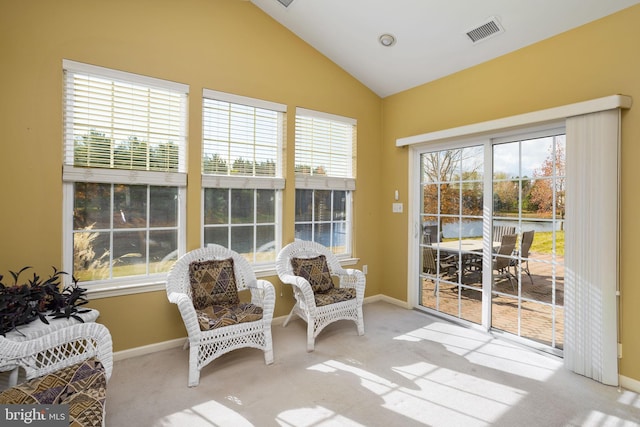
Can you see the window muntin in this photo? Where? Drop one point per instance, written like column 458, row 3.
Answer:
column 122, row 230
column 242, row 174
column 322, row 216
column 123, row 174
column 325, row 179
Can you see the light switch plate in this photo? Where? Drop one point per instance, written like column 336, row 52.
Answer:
column 397, row 208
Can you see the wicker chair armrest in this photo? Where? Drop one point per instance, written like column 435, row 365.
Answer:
column 60, row 349
column 352, row 278
column 301, row 290
column 263, row 294
column 188, row 313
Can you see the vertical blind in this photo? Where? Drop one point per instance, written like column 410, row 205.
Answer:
column 124, row 121
column 591, row 245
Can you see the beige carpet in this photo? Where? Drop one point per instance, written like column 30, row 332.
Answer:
column 409, row 369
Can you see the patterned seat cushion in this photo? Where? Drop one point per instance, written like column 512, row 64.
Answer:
column 334, row 295
column 316, row 271
column 215, row 316
column 213, row 282
column 82, row 386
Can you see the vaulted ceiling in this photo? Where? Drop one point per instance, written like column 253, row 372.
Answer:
column 431, row 39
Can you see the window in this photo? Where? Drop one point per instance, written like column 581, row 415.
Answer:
column 242, row 174
column 124, row 175
column 325, row 179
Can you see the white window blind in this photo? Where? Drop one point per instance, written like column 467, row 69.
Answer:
column 325, row 150
column 122, row 121
column 242, row 141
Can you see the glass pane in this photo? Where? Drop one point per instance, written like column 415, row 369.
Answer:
column 130, row 205
column 266, row 243
column 304, row 205
column 506, row 162
column 427, row 294
column 471, row 304
column 537, row 322
column 472, row 164
column 164, row 207
column 242, row 206
column 429, row 167
column 451, row 228
column 322, row 234
column 242, row 239
column 129, row 254
column 449, row 163
column 537, row 157
column 266, row 206
column 91, row 256
column 505, row 313
column 340, row 238
column 506, row 198
column 322, row 205
column 430, row 199
column 450, row 199
column 472, row 198
column 216, row 206
column 304, row 232
column 92, row 206
column 163, row 250
column 339, row 205
column 216, row 235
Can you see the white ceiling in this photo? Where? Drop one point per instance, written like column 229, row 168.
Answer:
column 431, row 34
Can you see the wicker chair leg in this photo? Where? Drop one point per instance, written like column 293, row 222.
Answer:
column 286, row 321
column 310, row 336
column 360, row 322
column 194, row 370
column 268, row 351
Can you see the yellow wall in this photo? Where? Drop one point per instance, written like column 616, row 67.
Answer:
column 231, row 46
column 593, row 61
column 224, row 45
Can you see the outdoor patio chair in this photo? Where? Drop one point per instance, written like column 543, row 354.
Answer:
column 501, row 230
column 444, row 266
column 310, row 267
column 502, row 257
column 522, row 256
column 205, row 284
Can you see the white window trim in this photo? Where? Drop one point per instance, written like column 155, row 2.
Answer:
column 321, row 182
column 276, row 183
column 71, row 174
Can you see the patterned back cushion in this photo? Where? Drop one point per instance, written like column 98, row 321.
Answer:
column 315, row 270
column 213, row 282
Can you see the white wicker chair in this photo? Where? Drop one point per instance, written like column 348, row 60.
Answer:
column 58, row 349
column 318, row 317
column 205, row 346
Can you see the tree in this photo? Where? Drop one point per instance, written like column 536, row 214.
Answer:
column 550, row 182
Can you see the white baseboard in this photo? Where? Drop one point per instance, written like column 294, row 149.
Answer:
column 179, row 342
column 380, row 297
column 630, row 384
column 148, row 349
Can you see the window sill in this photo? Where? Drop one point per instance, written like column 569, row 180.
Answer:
column 122, row 289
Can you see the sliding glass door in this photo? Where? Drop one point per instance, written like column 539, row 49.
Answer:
column 491, row 241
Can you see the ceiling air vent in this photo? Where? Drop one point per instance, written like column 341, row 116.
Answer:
column 285, row 3
column 489, row 29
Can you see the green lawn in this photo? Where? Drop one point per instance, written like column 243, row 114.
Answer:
column 542, row 242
